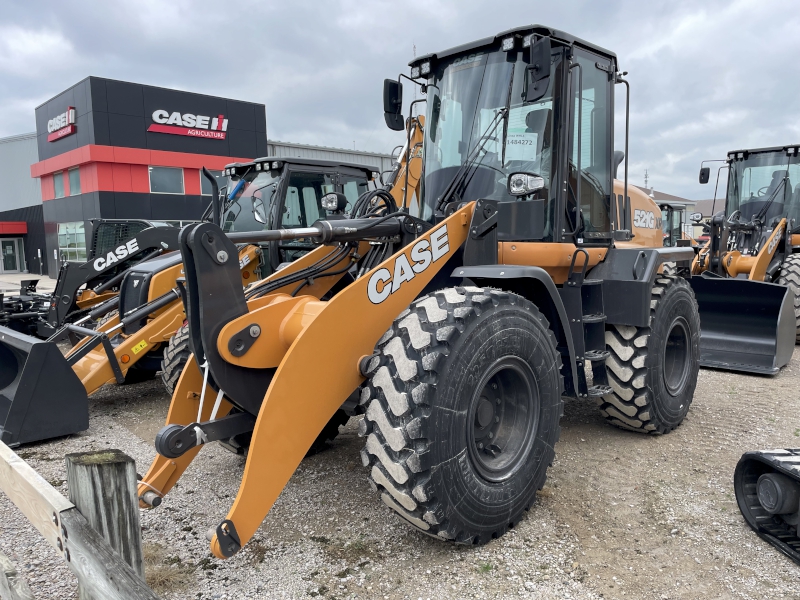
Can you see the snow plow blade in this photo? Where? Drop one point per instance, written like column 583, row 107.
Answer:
column 745, row 325
column 767, row 485
column 40, row 395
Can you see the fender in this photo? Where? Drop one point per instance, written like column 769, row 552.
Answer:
column 535, row 284
column 628, row 275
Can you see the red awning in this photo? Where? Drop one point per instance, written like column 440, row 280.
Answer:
column 13, row 227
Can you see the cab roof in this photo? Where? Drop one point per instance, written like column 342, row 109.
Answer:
column 795, row 148
column 308, row 162
column 555, row 34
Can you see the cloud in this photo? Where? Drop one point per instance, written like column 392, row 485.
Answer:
column 705, row 77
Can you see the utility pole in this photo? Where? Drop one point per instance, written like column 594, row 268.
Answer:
column 646, row 179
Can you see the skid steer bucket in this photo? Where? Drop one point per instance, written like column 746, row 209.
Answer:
column 40, row 395
column 745, row 325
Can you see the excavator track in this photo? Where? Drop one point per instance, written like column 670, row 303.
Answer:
column 779, row 530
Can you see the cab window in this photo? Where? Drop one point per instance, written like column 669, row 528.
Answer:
column 303, row 195
column 352, row 187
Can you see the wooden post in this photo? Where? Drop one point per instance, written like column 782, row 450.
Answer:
column 12, row 586
column 102, row 485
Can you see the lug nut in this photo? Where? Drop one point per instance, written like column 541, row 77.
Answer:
column 222, row 256
column 491, row 435
column 255, row 331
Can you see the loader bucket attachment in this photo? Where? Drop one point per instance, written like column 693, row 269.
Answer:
column 767, row 486
column 40, row 395
column 745, row 325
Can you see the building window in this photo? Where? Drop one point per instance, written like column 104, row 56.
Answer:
column 74, row 182
column 166, row 180
column 205, row 184
column 58, row 184
column 72, row 241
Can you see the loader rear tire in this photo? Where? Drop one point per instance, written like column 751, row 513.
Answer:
column 462, row 404
column 176, row 355
column 790, row 276
column 653, row 370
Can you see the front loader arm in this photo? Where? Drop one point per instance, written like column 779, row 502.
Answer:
column 320, row 369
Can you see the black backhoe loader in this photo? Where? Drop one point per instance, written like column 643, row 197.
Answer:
column 749, row 270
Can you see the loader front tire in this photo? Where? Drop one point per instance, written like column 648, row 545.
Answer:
column 790, row 276
column 462, row 406
column 176, row 355
column 653, row 370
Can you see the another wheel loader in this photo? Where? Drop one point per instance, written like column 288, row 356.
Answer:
column 465, row 324
column 750, row 267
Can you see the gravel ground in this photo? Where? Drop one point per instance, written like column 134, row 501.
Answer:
column 621, row 516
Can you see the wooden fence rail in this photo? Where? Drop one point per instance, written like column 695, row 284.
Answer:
column 101, row 572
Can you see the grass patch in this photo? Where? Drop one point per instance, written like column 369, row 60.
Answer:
column 797, row 432
column 258, row 550
column 163, row 573
column 485, row 567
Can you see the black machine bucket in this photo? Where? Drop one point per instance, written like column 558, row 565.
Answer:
column 745, row 325
column 41, row 397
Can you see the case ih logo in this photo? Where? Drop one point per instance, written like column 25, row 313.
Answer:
column 189, row 124
column 62, row 125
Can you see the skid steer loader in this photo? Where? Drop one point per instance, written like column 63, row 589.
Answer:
column 767, row 486
column 750, row 267
column 464, row 325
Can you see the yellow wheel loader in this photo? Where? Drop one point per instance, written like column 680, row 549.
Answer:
column 464, row 325
column 750, row 267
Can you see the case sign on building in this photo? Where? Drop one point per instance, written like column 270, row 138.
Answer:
column 188, row 124
column 62, row 125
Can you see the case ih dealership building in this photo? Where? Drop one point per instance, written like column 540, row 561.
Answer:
column 115, row 150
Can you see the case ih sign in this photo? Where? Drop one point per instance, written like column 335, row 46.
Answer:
column 62, row 125
column 189, row 124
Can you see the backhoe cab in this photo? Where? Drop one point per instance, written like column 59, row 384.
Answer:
column 748, row 291
column 465, row 322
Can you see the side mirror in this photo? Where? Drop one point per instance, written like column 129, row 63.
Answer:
column 705, row 173
column 393, row 104
column 259, row 214
column 538, row 71
column 524, row 184
column 696, row 216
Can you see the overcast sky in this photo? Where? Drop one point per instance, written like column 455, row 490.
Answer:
column 706, row 77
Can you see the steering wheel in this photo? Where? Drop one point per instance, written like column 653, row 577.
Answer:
column 734, row 218
column 763, row 190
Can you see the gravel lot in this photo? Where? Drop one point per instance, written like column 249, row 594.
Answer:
column 622, row 515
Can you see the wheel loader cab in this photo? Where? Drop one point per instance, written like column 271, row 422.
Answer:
column 479, row 119
column 281, row 193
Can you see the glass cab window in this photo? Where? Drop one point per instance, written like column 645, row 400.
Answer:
column 303, row 194
column 764, row 185
column 589, row 179
column 257, row 193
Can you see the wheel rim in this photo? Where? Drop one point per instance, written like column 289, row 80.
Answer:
column 502, row 418
column 677, row 356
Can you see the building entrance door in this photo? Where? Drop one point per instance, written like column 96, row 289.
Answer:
column 11, row 258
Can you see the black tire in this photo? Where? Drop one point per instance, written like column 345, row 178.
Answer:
column 176, row 355
column 653, row 370
column 328, row 433
column 790, row 276
column 456, row 366
column 670, row 269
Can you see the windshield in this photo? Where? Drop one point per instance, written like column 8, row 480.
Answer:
column 671, row 225
column 465, row 95
column 759, row 178
column 260, row 188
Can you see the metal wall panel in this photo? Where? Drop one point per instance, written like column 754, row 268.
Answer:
column 19, row 189
column 289, row 149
